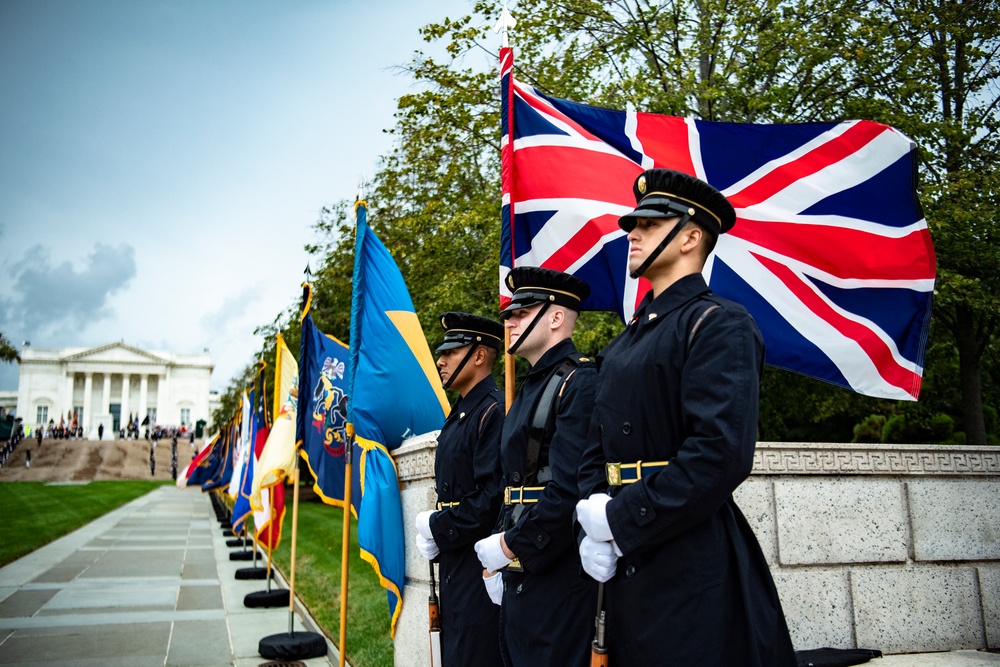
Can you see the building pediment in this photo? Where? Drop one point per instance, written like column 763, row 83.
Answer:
column 118, row 353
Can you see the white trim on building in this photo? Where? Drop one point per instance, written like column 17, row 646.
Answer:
column 107, row 384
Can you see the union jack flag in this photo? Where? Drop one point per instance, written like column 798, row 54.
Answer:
column 830, row 253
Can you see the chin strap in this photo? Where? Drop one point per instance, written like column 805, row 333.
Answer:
column 520, row 339
column 663, row 244
column 465, row 360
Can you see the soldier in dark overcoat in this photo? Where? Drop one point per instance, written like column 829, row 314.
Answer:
column 676, row 421
column 546, row 617
column 467, row 478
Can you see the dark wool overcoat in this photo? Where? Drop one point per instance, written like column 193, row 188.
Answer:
column 467, row 472
column 693, row 588
column 548, row 609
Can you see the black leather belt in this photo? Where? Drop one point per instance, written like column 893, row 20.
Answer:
column 628, row 473
column 522, row 495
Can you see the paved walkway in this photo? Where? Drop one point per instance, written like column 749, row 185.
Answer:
column 150, row 583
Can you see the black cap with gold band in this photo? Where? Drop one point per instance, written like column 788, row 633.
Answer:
column 533, row 285
column 665, row 193
column 461, row 329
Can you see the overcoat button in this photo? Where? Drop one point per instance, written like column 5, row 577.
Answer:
column 445, row 486
column 516, row 477
column 626, row 428
column 630, row 571
column 642, row 511
column 519, row 587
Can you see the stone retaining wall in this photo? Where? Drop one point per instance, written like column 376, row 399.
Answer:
column 895, row 547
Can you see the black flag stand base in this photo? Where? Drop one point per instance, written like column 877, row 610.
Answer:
column 252, row 573
column 276, row 598
column 292, row 646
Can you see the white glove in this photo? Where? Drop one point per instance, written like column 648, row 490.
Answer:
column 428, row 548
column 598, row 558
column 491, row 554
column 423, row 522
column 592, row 514
column 494, row 587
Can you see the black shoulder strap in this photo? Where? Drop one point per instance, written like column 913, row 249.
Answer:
column 536, row 431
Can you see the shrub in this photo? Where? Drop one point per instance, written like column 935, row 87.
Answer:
column 870, row 429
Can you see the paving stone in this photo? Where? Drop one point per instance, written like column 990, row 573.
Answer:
column 199, row 643
column 136, row 644
column 60, row 573
column 199, row 597
column 25, row 603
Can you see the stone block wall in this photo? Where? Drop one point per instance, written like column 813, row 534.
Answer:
column 895, row 548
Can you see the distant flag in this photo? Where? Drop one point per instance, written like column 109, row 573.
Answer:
column 223, row 473
column 182, row 478
column 267, row 519
column 255, row 431
column 205, row 462
column 322, row 422
column 276, row 462
column 830, row 253
column 243, row 479
column 242, row 447
column 394, row 392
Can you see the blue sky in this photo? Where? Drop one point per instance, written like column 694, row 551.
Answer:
column 162, row 162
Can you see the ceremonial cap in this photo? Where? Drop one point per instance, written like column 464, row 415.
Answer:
column 532, row 285
column 461, row 329
column 665, row 193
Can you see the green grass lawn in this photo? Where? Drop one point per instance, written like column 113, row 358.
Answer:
column 317, row 582
column 36, row 514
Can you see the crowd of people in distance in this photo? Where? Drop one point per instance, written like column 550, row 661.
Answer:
column 8, row 447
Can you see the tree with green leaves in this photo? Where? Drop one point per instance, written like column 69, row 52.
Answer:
column 8, row 353
column 927, row 67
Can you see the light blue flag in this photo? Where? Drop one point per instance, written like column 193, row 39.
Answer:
column 394, row 392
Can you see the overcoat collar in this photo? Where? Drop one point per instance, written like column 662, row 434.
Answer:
column 650, row 310
column 552, row 356
column 476, row 394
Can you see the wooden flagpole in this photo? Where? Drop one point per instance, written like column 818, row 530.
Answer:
column 295, row 527
column 508, row 369
column 345, row 547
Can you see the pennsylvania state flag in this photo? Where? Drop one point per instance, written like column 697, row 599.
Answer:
column 322, row 415
column 394, row 392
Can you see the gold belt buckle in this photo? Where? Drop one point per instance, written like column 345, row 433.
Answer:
column 613, row 472
column 515, row 566
column 506, row 495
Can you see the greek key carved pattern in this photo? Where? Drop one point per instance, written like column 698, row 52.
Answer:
column 779, row 458
column 415, row 458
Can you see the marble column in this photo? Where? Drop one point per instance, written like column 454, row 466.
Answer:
column 88, row 392
column 161, row 398
column 106, row 398
column 68, row 407
column 143, row 399
column 126, row 381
